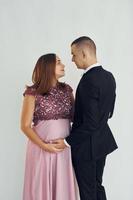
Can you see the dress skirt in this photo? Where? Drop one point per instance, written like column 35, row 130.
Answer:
column 49, row 176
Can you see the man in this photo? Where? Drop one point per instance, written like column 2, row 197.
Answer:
column 91, row 139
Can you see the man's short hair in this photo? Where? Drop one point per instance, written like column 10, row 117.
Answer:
column 84, row 40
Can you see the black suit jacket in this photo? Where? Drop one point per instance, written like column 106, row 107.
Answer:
column 91, row 137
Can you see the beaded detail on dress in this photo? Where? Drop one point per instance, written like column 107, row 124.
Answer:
column 57, row 104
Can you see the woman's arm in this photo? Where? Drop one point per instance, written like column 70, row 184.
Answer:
column 26, row 120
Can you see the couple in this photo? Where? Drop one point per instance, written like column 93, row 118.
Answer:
column 54, row 147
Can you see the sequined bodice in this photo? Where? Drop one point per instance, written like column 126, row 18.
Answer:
column 57, row 104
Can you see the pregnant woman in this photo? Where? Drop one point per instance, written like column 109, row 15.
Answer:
column 46, row 115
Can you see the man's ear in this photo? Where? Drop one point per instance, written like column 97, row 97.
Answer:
column 83, row 53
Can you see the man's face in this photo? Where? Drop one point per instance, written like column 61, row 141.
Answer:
column 77, row 56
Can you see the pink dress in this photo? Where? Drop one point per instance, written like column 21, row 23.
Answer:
column 50, row 176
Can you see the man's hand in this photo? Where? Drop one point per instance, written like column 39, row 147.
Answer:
column 59, row 143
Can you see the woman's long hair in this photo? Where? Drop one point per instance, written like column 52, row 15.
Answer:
column 44, row 73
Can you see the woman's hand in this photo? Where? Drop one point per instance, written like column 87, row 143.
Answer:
column 52, row 148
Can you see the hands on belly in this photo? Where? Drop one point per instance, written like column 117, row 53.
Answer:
column 55, row 146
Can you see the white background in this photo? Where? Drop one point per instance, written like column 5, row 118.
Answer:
column 31, row 28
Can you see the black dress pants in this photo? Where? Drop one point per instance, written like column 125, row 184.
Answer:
column 89, row 177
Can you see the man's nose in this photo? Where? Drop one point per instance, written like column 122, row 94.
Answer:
column 63, row 66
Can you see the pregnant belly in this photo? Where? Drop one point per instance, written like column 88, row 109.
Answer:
column 49, row 130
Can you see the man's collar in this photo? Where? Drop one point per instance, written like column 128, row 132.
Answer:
column 91, row 66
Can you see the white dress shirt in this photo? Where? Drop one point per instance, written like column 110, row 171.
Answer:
column 87, row 69
column 91, row 66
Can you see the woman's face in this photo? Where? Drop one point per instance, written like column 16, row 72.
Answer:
column 59, row 69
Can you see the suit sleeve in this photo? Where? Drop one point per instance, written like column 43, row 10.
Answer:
column 114, row 95
column 113, row 105
column 90, row 104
